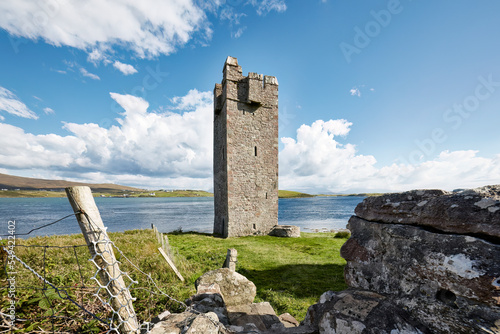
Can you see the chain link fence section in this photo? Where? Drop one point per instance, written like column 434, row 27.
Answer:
column 116, row 283
column 112, row 288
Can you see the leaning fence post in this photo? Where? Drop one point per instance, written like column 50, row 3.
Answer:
column 97, row 239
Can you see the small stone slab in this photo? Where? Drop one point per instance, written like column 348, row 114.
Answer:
column 262, row 315
column 236, row 289
column 285, row 231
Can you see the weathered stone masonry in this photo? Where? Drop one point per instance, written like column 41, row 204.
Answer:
column 245, row 153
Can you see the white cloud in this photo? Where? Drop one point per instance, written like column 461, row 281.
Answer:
column 87, row 74
column 99, row 55
column 229, row 14
column 124, row 68
column 48, row 110
column 238, row 32
column 316, row 162
column 172, row 148
column 147, row 27
column 266, row 6
column 155, row 149
column 355, row 92
column 359, row 90
column 10, row 103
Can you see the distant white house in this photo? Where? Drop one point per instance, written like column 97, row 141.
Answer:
column 152, row 194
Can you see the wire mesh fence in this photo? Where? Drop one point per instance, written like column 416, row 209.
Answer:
column 70, row 286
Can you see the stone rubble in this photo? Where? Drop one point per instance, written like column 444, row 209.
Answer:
column 224, row 304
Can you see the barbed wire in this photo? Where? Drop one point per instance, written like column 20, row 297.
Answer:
column 38, row 228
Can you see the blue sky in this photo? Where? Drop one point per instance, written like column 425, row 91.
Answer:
column 374, row 95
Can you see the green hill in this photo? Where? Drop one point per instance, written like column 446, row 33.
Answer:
column 292, row 194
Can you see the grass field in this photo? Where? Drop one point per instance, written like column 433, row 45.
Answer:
column 291, row 274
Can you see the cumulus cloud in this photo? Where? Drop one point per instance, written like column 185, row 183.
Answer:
column 147, row 27
column 145, row 148
column 172, row 148
column 317, row 162
column 11, row 104
column 87, row 74
column 124, row 68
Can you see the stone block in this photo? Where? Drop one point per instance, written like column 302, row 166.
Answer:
column 262, row 315
column 235, row 288
column 285, row 231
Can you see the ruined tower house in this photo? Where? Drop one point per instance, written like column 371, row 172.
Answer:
column 245, row 153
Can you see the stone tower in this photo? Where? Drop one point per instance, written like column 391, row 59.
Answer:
column 245, row 153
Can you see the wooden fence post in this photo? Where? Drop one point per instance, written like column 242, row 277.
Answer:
column 93, row 230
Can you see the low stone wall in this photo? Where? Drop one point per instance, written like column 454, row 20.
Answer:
column 431, row 257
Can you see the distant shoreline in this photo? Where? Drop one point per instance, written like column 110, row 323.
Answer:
column 121, row 194
column 156, row 193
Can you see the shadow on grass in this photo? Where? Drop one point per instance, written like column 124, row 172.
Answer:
column 299, row 280
column 179, row 231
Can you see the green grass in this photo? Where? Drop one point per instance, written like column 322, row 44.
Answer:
column 176, row 193
column 292, row 194
column 291, row 274
column 30, row 193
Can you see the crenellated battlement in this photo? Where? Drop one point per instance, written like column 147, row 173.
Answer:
column 256, row 89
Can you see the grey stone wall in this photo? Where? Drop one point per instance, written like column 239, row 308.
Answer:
column 245, row 153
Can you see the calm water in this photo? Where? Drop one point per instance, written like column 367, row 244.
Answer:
column 168, row 214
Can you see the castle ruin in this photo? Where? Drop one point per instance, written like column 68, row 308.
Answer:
column 245, row 153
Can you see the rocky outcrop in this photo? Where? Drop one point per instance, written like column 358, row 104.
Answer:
column 430, row 260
